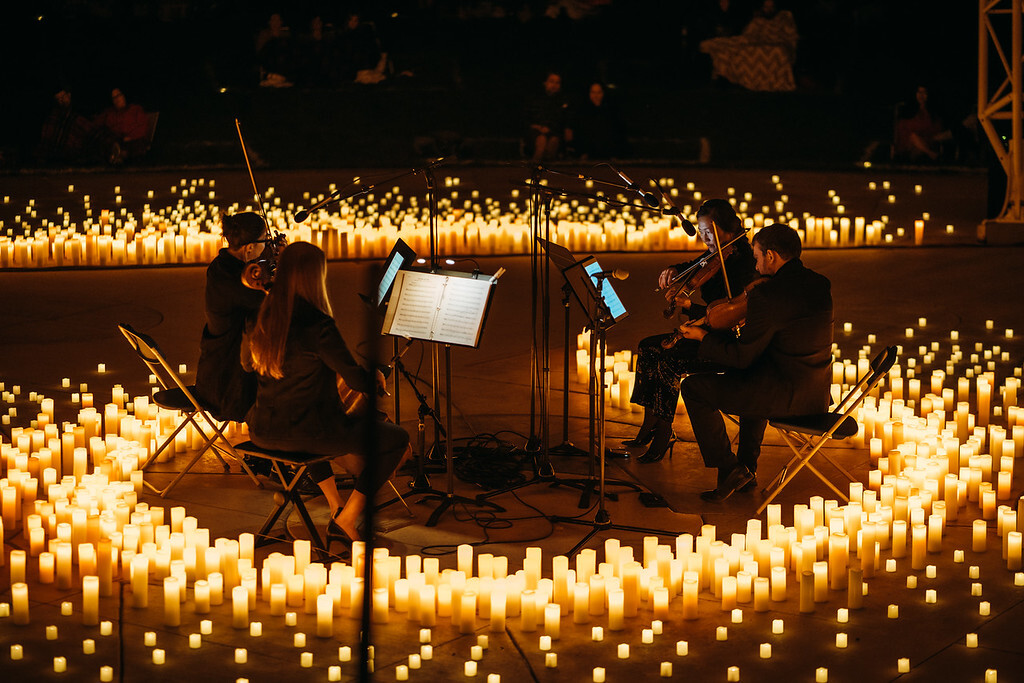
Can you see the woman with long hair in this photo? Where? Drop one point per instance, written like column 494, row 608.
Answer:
column 299, row 354
column 661, row 363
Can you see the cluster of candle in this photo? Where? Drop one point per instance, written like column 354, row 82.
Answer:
column 467, row 224
column 73, row 494
column 619, row 373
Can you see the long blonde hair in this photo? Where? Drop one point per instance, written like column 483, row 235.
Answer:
column 301, row 272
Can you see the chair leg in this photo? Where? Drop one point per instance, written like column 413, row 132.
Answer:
column 400, row 498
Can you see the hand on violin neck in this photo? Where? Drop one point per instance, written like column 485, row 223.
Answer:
column 693, row 330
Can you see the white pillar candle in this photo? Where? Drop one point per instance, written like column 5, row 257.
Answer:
column 90, row 600
column 172, row 601
column 979, row 536
column 324, row 616
column 240, row 607
column 616, row 620
column 379, row 606
column 140, row 581
column 552, row 620
column 1013, row 550
column 19, row 603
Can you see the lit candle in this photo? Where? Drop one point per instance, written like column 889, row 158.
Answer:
column 616, row 620
column 90, row 600
column 324, row 616
column 240, row 607
column 979, row 536
column 19, row 603
column 552, row 620
column 140, row 581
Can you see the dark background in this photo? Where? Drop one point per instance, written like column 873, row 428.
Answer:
column 472, row 65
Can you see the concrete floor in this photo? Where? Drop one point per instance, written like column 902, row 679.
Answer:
column 59, row 324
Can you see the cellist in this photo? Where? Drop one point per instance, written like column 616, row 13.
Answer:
column 778, row 365
column 663, row 359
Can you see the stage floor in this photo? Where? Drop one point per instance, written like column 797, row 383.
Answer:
column 62, row 324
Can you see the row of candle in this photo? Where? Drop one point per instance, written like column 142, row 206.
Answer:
column 188, row 233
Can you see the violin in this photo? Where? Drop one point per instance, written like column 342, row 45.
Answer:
column 721, row 314
column 686, row 285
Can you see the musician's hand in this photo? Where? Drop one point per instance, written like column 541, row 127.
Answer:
column 666, row 277
column 382, row 384
column 692, row 331
column 683, row 302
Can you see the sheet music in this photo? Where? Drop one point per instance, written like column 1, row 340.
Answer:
column 438, row 307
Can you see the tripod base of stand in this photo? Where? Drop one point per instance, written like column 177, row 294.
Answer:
column 603, row 522
column 569, row 450
column 589, row 486
column 449, row 499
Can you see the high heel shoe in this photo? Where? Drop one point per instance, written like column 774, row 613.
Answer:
column 336, row 533
column 642, row 438
column 663, row 441
column 645, row 434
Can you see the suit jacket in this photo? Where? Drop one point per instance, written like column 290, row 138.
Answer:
column 221, row 383
column 783, row 355
column 304, row 404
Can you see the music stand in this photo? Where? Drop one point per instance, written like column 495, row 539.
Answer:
column 604, row 309
column 577, row 283
column 449, row 308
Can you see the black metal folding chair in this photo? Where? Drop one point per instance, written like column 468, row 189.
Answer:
column 806, row 435
column 175, row 395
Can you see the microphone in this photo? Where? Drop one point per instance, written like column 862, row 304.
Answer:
column 615, row 274
column 648, row 197
column 688, row 227
column 301, row 215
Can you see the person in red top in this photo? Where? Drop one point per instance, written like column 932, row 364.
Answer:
column 127, row 123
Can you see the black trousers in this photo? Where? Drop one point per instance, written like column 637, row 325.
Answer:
column 706, row 398
column 659, row 371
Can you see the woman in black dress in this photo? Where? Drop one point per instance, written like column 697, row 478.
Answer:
column 299, row 354
column 659, row 370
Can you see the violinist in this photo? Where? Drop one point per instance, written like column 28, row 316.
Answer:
column 778, row 366
column 664, row 358
column 222, row 386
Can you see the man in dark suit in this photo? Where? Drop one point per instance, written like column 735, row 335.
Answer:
column 779, row 364
column 222, row 386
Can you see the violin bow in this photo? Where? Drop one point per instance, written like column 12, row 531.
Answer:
column 255, row 189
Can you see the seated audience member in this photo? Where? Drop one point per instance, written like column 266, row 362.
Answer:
column 318, row 58
column 222, row 385
column 598, row 131
column 299, row 354
column 69, row 137
column 920, row 131
column 274, row 55
column 127, row 124
column 547, row 121
column 364, row 60
column 761, row 58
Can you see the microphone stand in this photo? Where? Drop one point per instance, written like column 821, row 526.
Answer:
column 543, row 472
column 602, row 519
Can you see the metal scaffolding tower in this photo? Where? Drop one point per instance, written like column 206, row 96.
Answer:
column 1002, row 104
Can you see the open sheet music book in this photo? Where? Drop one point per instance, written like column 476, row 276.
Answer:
column 441, row 307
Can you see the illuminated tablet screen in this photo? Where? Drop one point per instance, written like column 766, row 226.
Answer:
column 615, row 307
column 400, row 257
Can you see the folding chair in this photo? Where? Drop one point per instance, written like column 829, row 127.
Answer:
column 287, row 469
column 806, row 435
column 175, row 395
